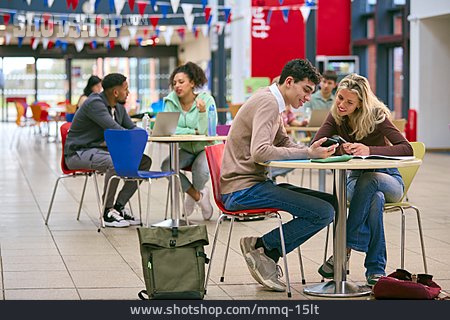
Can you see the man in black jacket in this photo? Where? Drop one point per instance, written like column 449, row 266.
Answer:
column 85, row 146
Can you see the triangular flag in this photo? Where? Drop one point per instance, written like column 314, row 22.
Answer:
column 35, row 44
column 111, row 5
column 207, row 12
column 45, row 3
column 209, row 21
column 97, row 3
column 187, row 13
column 32, row 41
column 205, row 30
column 153, row 4
column 58, row 43
column 93, row 44
column 50, row 3
column 187, row 8
column 189, row 22
column 157, row 31
column 175, row 4
column 154, row 40
column 154, row 21
column 19, row 41
column 7, row 38
column 269, row 16
column 227, row 12
column 281, row 2
column 50, row 45
column 132, row 30
column 111, row 44
column 45, row 42
column 119, row 4
column 124, row 42
column 204, row 4
column 79, row 44
column 64, row 45
column 285, row 14
column 195, row 31
column 138, row 41
column 164, row 8
column 305, row 12
column 131, row 4
column 181, row 32
column 29, row 2
column 141, row 7
column 6, row 18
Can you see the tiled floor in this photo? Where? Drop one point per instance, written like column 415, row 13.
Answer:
column 68, row 259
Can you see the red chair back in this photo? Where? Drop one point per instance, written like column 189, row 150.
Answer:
column 214, row 155
column 64, row 131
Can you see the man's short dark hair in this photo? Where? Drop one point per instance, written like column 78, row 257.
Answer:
column 112, row 80
column 330, row 75
column 299, row 69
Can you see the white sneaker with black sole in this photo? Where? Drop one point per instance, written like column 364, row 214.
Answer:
column 113, row 219
column 128, row 216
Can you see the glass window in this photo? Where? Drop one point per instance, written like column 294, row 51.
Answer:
column 396, row 81
column 52, row 80
column 19, row 76
column 82, row 69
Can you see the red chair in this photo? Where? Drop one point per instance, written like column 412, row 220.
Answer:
column 214, row 156
column 72, row 173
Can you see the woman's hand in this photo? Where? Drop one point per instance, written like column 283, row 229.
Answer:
column 356, row 149
column 317, row 151
column 201, row 105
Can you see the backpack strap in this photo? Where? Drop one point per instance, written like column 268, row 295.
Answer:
column 203, row 255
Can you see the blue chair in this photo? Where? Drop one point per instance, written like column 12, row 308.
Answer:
column 126, row 148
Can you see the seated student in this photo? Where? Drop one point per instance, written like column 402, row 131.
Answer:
column 323, row 99
column 85, row 146
column 94, row 84
column 257, row 135
column 193, row 106
column 363, row 121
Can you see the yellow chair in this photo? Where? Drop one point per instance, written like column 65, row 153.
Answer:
column 408, row 175
column 20, row 113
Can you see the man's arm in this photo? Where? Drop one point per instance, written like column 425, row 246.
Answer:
column 127, row 123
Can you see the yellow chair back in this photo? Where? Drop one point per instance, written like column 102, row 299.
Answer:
column 409, row 173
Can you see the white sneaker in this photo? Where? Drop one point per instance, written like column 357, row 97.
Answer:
column 114, row 219
column 205, row 204
column 189, row 205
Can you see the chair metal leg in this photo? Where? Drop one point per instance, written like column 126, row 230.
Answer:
column 167, row 197
column 99, row 203
column 149, row 193
column 213, row 249
column 139, row 200
column 183, row 208
column 402, row 240
column 52, row 199
column 82, row 196
column 419, row 223
column 300, row 260
column 283, row 249
column 222, row 278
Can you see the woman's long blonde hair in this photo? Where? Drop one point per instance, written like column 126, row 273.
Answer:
column 368, row 113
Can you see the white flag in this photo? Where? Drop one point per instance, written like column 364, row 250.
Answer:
column 29, row 2
column 175, row 4
column 79, row 44
column 50, row 3
column 45, row 42
column 188, row 17
column 168, row 35
column 119, row 5
column 132, row 31
column 125, row 42
column 305, row 12
column 205, row 30
column 35, row 43
column 7, row 38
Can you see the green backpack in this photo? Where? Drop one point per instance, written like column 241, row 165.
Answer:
column 173, row 261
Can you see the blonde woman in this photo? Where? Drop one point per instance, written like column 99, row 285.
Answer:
column 364, row 122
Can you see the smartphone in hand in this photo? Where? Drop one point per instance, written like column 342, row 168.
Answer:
column 329, row 142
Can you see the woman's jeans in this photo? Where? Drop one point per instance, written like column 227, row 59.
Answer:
column 199, row 168
column 312, row 210
column 367, row 191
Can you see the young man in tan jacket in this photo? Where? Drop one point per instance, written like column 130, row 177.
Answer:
column 257, row 135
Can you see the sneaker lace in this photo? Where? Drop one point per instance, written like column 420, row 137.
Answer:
column 126, row 214
column 113, row 213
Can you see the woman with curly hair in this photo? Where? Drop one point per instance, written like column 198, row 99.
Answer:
column 185, row 80
column 364, row 122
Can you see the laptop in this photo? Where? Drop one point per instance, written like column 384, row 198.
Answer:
column 317, row 117
column 165, row 124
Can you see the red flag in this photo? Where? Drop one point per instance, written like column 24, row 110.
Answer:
column 6, row 18
column 181, row 32
column 112, row 43
column 154, row 37
column 32, row 41
column 50, row 45
column 154, row 21
column 207, row 12
column 131, row 4
column 141, row 7
column 74, row 4
column 229, row 17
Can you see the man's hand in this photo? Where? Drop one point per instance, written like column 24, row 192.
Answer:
column 317, row 151
column 201, row 105
column 356, row 149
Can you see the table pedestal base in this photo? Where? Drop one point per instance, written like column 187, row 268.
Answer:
column 170, row 223
column 328, row 289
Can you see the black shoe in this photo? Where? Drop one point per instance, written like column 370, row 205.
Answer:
column 127, row 215
column 112, row 218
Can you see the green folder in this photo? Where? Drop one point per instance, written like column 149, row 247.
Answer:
column 343, row 158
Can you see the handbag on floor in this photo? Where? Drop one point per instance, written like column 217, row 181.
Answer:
column 173, row 261
column 403, row 285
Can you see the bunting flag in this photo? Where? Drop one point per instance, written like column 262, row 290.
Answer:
column 50, row 3
column 154, row 40
column 181, row 32
column 93, row 44
column 153, row 4
column 7, row 38
column 175, row 4
column 124, row 42
column 119, row 4
column 205, row 30
column 139, row 41
column 305, row 10
column 72, row 3
column 195, row 31
column 57, row 43
column 19, row 41
column 204, row 4
column 164, row 8
column 207, row 12
column 32, row 41
column 281, row 2
column 50, row 45
column 29, row 2
column 209, row 21
column 154, row 21
column 79, row 44
column 285, row 14
column 187, row 13
column 168, row 35
column 6, row 18
column 131, row 4
column 97, row 3
column 110, row 44
column 227, row 12
column 64, row 45
column 45, row 42
column 111, row 5
column 35, row 44
column 141, row 7
column 132, row 30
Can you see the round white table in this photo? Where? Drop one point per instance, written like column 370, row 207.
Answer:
column 175, row 166
column 339, row 287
